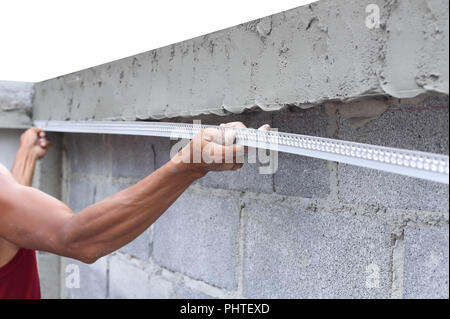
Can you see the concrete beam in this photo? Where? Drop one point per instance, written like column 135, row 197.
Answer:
column 15, row 104
column 304, row 56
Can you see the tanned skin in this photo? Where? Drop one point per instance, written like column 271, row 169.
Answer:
column 33, row 146
column 34, row 220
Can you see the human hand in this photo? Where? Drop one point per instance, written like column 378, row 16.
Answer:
column 214, row 149
column 34, row 142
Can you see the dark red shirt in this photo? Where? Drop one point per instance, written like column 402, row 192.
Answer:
column 19, row 278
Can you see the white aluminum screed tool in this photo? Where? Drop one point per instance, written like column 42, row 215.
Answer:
column 428, row 166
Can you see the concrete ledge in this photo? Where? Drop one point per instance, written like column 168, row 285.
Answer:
column 323, row 51
column 15, row 104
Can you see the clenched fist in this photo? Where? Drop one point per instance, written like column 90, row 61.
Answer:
column 34, row 142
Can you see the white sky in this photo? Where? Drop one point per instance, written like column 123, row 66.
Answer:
column 42, row 39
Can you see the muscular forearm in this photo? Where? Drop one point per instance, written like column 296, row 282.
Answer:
column 32, row 219
column 110, row 224
column 23, row 167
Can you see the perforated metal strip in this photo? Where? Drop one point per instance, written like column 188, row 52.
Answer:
column 428, row 166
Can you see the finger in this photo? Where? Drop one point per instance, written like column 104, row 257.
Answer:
column 43, row 142
column 37, row 130
column 210, row 134
column 227, row 153
column 42, row 134
column 217, row 135
column 265, row 127
column 235, row 124
column 229, row 135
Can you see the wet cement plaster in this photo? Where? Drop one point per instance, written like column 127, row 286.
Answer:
column 15, row 104
column 305, row 56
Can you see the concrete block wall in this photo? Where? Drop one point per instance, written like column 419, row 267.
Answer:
column 314, row 229
column 9, row 144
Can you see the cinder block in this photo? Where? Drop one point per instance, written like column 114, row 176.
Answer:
column 426, row 262
column 248, row 178
column 298, row 253
column 198, row 237
column 364, row 186
column 93, row 279
column 140, row 246
column 160, row 288
column 421, row 127
column 49, row 275
column 161, row 147
column 126, row 280
column 184, row 292
column 132, row 156
column 9, row 144
column 298, row 175
column 89, row 153
column 81, row 193
column 130, row 281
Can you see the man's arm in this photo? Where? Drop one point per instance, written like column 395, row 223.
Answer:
column 34, row 220
column 33, row 146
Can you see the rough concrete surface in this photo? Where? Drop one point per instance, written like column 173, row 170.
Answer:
column 81, row 193
column 9, row 144
column 294, row 252
column 132, row 156
column 15, row 104
column 199, row 238
column 137, row 286
column 89, row 153
column 93, row 279
column 420, row 126
column 49, row 267
column 319, row 52
column 426, row 262
column 300, row 175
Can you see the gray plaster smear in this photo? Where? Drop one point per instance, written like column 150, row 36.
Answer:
column 15, row 104
column 304, row 56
